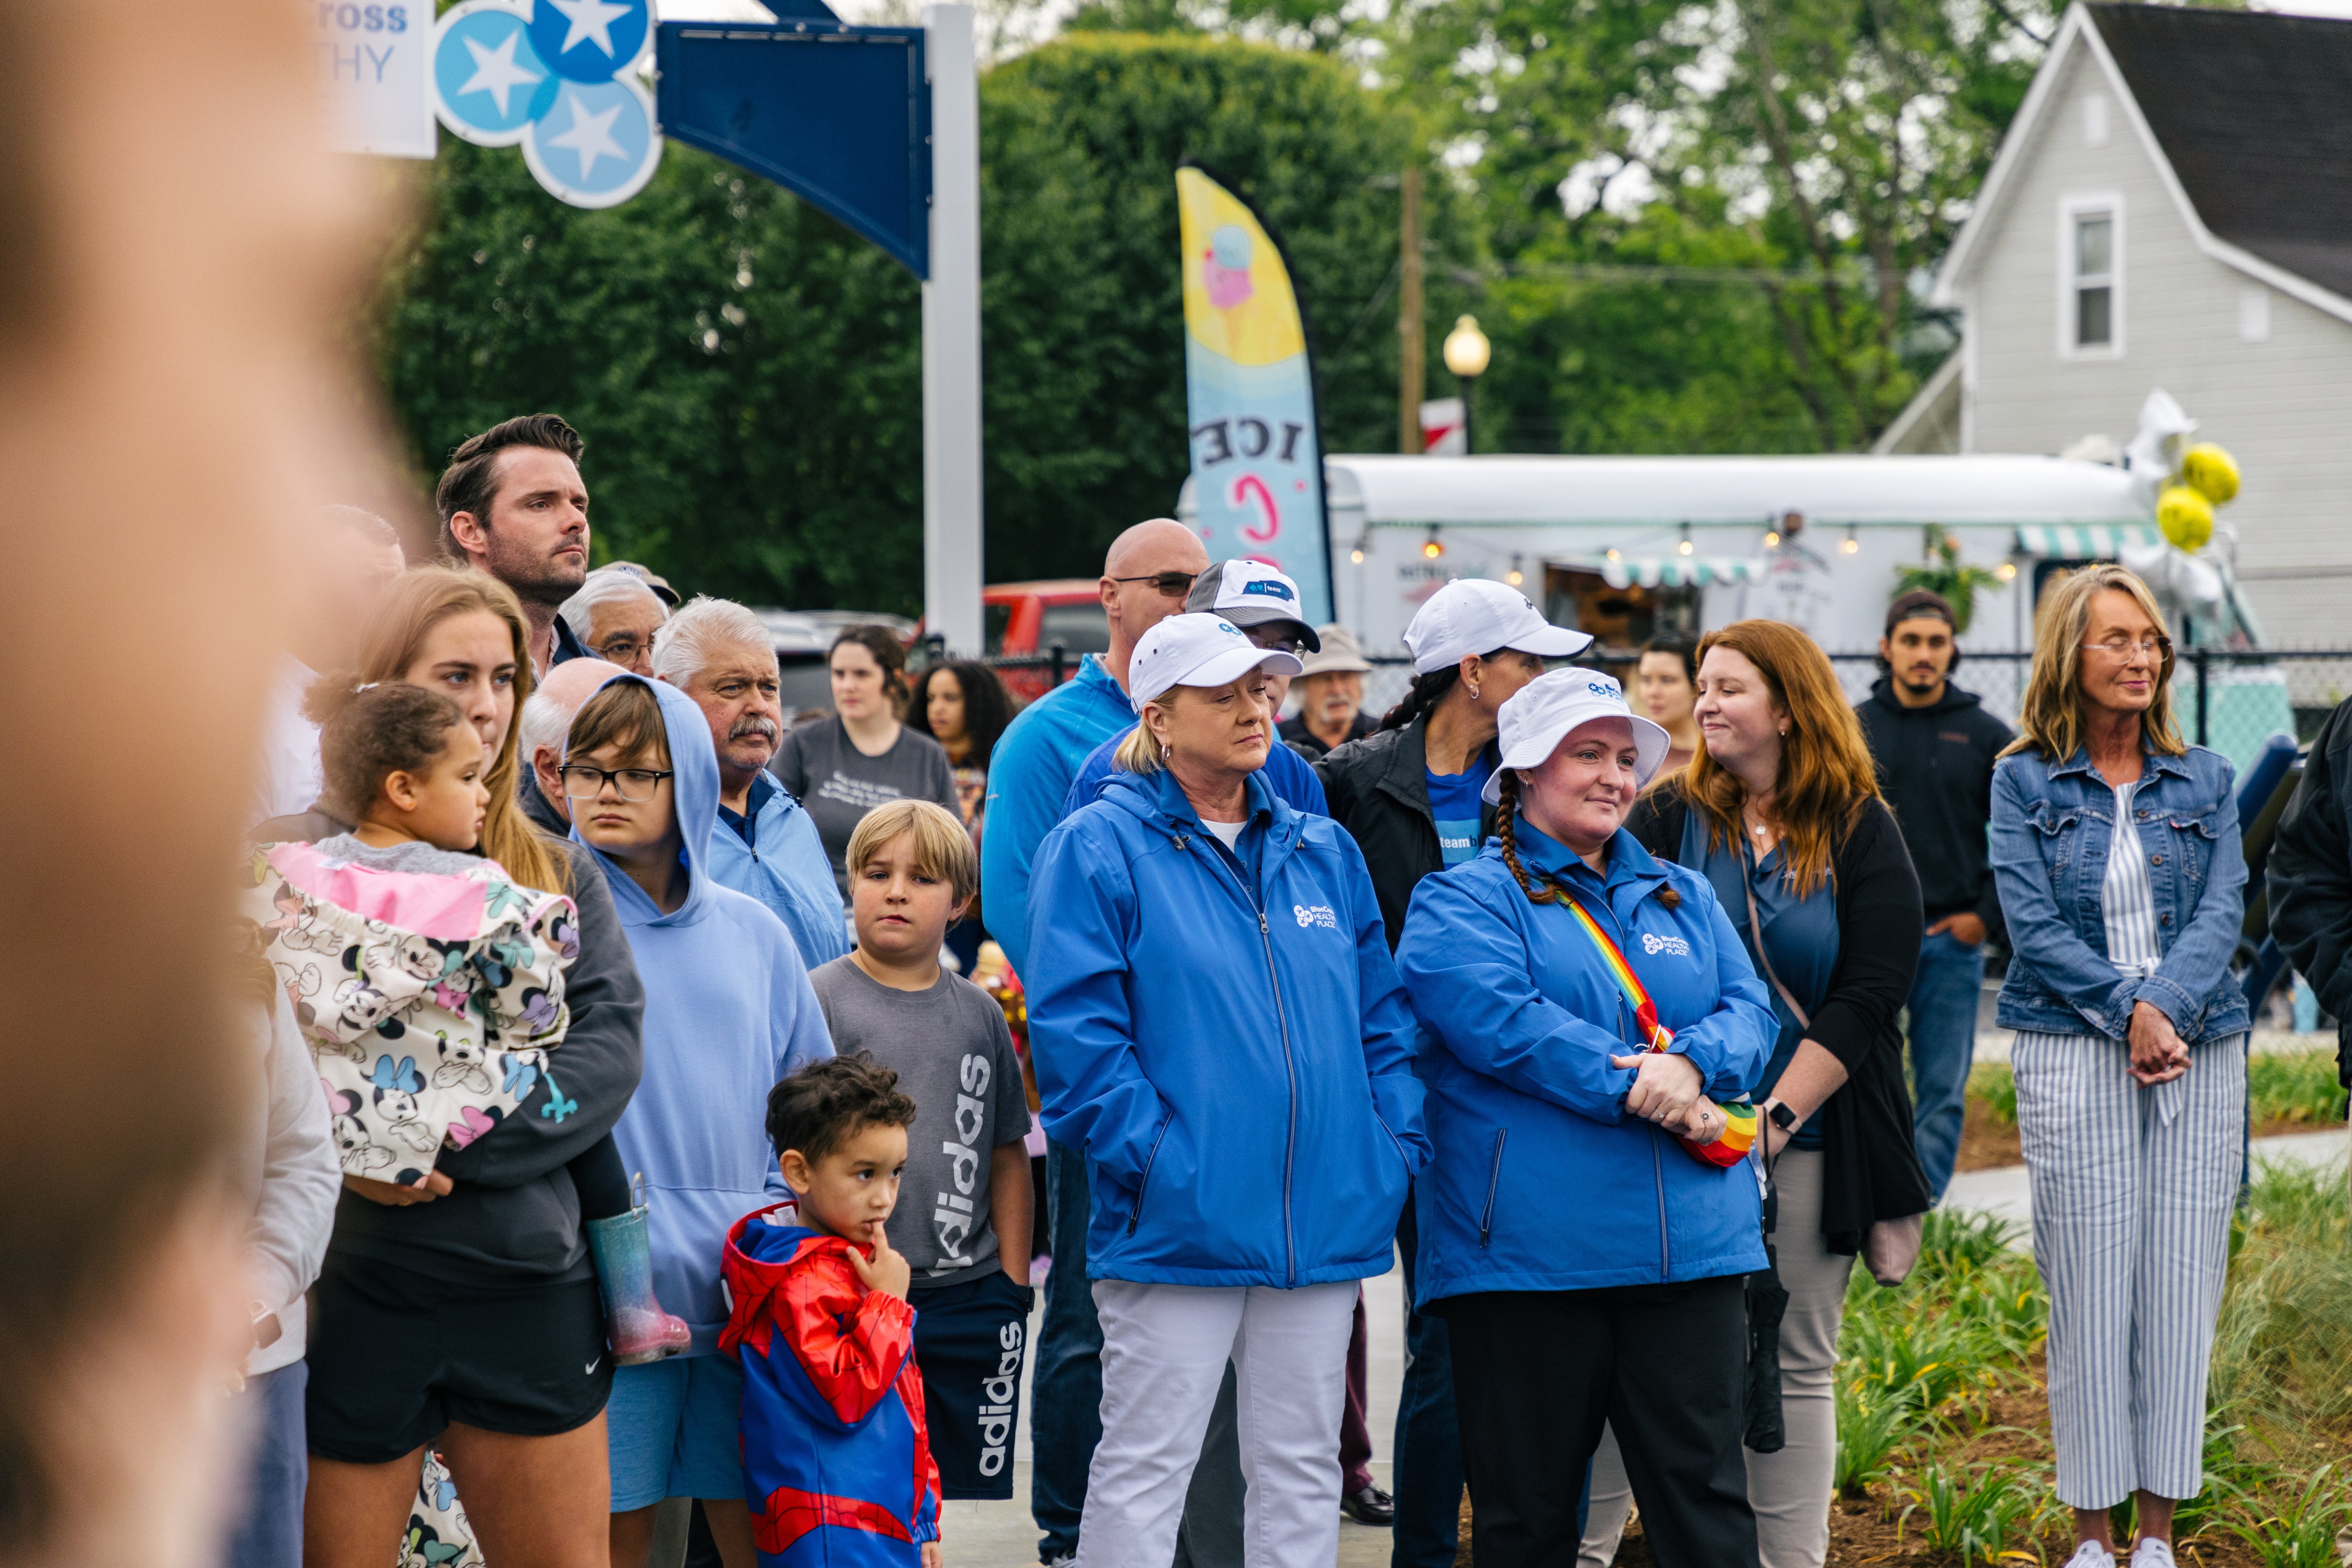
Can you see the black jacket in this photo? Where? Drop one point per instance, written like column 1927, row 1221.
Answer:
column 1379, row 790
column 1305, row 741
column 2308, row 878
column 512, row 1219
column 1935, row 766
column 1871, row 1171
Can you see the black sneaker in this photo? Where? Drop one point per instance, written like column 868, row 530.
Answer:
column 1371, row 1505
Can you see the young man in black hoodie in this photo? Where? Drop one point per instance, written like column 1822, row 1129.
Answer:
column 1934, row 746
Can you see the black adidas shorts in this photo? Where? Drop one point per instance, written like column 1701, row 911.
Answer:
column 396, row 1356
column 970, row 1339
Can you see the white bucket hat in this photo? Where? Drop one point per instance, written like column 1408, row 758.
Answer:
column 1473, row 615
column 1196, row 649
column 1541, row 714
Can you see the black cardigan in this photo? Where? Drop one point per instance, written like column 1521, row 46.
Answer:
column 1871, row 1171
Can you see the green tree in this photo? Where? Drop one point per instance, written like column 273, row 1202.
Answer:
column 748, row 374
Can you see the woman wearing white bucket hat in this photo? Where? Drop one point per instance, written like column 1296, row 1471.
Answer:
column 1219, row 1030
column 1593, row 1017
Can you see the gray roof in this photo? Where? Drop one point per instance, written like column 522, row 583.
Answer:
column 2253, row 111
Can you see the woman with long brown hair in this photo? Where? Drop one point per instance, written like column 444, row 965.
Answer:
column 1779, row 809
column 464, row 1315
column 2115, row 847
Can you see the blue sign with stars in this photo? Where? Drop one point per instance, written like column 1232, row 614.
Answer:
column 557, row 78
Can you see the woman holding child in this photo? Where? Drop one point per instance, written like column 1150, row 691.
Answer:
column 1218, row 1028
column 1593, row 1016
column 464, row 1314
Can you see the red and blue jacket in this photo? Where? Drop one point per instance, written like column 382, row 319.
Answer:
column 837, row 1460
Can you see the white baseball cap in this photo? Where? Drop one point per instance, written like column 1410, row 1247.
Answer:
column 1197, row 650
column 1475, row 615
column 1251, row 594
column 1539, row 716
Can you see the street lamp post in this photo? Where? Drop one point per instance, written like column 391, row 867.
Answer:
column 1467, row 352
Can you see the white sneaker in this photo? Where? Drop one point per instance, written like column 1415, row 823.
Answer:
column 2091, row 1555
column 2151, row 1554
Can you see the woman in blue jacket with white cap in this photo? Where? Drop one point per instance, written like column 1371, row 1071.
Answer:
column 1585, row 1224
column 1218, row 1027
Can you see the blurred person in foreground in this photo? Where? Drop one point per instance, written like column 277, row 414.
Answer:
column 616, row 615
column 718, row 653
column 1934, row 746
column 2121, row 877
column 208, row 370
column 513, row 505
column 1330, row 696
column 354, row 555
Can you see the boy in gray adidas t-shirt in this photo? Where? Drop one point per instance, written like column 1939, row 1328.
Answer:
column 963, row 1213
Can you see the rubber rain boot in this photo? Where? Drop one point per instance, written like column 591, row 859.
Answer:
column 639, row 1330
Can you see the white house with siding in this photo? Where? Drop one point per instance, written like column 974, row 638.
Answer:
column 2172, row 207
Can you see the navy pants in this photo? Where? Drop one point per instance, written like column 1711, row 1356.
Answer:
column 1426, row 1478
column 1065, row 1422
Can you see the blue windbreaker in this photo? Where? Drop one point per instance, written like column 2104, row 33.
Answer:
column 729, row 1011
column 1232, row 1052
column 782, row 865
column 1539, row 1182
column 1029, row 775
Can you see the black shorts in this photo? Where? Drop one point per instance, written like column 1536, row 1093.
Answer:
column 395, row 1357
column 970, row 1337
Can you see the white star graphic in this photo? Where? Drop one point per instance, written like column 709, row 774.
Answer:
column 589, row 136
column 589, row 19
column 496, row 73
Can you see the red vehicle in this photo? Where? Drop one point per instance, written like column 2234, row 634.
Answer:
column 1031, row 618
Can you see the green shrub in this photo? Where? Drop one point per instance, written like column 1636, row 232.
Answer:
column 1996, row 1086
column 1977, row 1512
column 1873, row 1429
column 2295, row 1086
column 2292, row 1529
column 2282, row 1350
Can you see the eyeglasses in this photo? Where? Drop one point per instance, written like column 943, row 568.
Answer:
column 582, row 782
column 1171, row 585
column 624, row 648
column 2120, row 649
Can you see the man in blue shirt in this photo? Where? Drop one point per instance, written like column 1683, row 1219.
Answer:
column 1146, row 576
column 718, row 653
column 1264, row 604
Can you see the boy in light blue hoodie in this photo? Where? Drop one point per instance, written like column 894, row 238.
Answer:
column 729, row 1012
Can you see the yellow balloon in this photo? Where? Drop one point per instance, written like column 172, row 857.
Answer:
column 2210, row 472
column 2185, row 516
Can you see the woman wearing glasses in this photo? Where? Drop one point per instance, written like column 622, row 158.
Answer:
column 2116, row 850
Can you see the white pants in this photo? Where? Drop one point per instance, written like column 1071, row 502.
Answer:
column 1164, row 1353
column 2133, row 1189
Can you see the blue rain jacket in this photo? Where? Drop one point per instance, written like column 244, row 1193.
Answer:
column 782, row 865
column 1540, row 1182
column 1224, row 1037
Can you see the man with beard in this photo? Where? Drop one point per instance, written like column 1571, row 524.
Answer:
column 512, row 504
column 718, row 653
column 1934, row 746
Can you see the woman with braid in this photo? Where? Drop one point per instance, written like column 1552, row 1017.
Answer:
column 1594, row 1022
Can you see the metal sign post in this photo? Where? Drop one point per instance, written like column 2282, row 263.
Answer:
column 952, row 470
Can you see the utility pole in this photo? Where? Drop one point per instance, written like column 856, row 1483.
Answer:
column 1409, row 328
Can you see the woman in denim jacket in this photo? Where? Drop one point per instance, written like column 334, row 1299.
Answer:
column 2116, row 850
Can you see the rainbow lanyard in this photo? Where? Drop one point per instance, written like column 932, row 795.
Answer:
column 1645, row 1012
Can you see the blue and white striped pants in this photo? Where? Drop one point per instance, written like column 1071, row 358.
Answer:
column 2133, row 1189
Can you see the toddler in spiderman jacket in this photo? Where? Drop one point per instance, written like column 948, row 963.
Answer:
column 835, row 1457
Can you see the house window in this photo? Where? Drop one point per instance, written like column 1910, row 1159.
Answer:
column 2090, row 276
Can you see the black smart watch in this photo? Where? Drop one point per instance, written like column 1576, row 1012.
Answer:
column 1783, row 1117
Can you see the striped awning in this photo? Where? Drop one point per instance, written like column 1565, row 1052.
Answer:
column 1680, row 570
column 2100, row 541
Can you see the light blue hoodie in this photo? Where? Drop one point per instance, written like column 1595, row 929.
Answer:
column 729, row 1012
column 782, row 865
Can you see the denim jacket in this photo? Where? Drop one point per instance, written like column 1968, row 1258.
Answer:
column 2051, row 829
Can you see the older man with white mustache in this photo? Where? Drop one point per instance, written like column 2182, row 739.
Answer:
column 718, row 653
